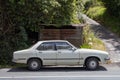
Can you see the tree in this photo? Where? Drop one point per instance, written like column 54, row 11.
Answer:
column 113, row 7
column 17, row 16
column 12, row 35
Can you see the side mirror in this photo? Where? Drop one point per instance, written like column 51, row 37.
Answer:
column 73, row 49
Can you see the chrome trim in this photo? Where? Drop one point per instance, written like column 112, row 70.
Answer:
column 107, row 58
column 63, row 59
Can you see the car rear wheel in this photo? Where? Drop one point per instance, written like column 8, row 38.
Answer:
column 34, row 64
column 92, row 63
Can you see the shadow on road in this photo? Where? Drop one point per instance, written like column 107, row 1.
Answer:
column 56, row 69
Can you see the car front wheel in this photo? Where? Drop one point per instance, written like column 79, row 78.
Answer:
column 34, row 64
column 92, row 63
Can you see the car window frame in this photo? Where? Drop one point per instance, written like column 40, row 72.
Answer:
column 46, row 50
column 63, row 49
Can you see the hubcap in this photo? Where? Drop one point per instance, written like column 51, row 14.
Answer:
column 34, row 64
column 93, row 64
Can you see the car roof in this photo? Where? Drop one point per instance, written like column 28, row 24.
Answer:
column 39, row 42
column 53, row 41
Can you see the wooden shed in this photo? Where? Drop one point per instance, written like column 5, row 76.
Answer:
column 71, row 33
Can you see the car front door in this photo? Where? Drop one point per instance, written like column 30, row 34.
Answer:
column 65, row 54
column 47, row 52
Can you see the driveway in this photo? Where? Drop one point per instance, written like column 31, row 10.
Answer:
column 111, row 41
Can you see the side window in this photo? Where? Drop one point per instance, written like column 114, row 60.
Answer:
column 63, row 46
column 46, row 46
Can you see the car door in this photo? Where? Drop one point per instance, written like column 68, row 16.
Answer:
column 47, row 52
column 65, row 54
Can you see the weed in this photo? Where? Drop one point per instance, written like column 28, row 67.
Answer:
column 90, row 41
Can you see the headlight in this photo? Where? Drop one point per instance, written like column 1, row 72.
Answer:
column 107, row 58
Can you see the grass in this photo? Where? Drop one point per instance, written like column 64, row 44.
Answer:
column 96, row 12
column 4, row 66
column 90, row 41
column 112, row 23
column 13, row 66
column 100, row 14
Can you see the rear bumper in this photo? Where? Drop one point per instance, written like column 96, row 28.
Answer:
column 19, row 61
column 14, row 60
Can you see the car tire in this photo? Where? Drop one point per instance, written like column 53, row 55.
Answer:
column 92, row 63
column 34, row 64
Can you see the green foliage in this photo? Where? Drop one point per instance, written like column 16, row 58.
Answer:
column 96, row 12
column 112, row 17
column 66, row 13
column 113, row 7
column 12, row 35
column 91, row 3
column 100, row 13
column 112, row 23
column 32, row 13
column 11, row 42
column 17, row 16
column 90, row 41
column 80, row 5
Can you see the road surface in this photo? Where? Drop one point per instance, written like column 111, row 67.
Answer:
column 66, row 78
column 105, row 72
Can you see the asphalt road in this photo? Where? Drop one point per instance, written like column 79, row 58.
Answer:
column 67, row 78
column 105, row 72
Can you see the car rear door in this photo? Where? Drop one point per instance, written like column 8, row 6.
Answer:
column 47, row 52
column 65, row 54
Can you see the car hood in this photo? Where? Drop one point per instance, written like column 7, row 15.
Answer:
column 92, row 51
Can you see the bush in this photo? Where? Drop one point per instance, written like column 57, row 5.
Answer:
column 90, row 41
column 101, row 14
column 10, row 43
column 96, row 12
column 113, row 7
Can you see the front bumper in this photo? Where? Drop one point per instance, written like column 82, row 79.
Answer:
column 108, row 60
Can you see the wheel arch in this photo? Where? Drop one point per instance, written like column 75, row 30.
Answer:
column 92, row 57
column 35, row 58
